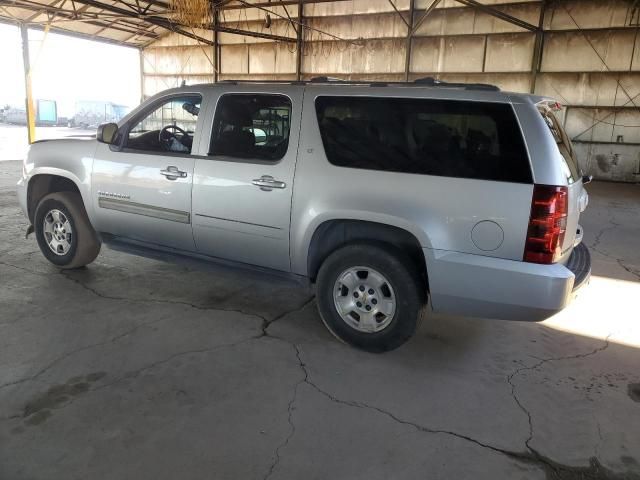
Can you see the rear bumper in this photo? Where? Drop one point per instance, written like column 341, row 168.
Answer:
column 478, row 286
column 580, row 265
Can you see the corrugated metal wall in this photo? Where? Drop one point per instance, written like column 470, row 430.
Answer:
column 588, row 58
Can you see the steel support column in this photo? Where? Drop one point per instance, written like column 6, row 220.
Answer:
column 29, row 105
column 299, row 40
column 141, row 56
column 408, row 41
column 537, row 49
column 216, row 45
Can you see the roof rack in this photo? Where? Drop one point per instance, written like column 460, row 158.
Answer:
column 420, row 82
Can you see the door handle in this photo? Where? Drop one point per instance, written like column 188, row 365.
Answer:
column 267, row 182
column 172, row 173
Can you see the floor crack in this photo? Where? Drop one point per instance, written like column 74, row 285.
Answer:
column 267, row 323
column 292, row 427
column 33, row 272
column 552, row 469
column 537, row 365
column 598, row 237
column 195, row 306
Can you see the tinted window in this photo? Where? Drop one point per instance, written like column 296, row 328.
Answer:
column 168, row 127
column 570, row 164
column 251, row 126
column 431, row 137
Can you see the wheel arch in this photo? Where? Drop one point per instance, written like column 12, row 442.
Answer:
column 333, row 234
column 42, row 184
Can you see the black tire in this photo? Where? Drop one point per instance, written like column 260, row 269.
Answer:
column 405, row 280
column 85, row 244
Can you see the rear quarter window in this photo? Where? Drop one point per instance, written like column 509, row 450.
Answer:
column 570, row 165
column 448, row 138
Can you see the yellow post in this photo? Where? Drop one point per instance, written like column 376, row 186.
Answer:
column 31, row 111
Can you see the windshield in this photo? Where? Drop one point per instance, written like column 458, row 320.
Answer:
column 181, row 112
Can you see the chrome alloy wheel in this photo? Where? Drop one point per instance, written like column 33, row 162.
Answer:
column 364, row 299
column 57, row 232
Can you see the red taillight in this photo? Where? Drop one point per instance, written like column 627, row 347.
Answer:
column 547, row 224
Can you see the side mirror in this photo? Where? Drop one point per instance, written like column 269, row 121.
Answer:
column 107, row 133
column 587, row 179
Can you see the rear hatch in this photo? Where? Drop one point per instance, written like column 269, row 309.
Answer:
column 577, row 198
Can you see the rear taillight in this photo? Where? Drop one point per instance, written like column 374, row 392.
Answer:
column 547, row 224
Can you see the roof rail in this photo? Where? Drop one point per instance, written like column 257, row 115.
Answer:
column 432, row 82
column 420, row 82
column 250, row 82
column 324, row 79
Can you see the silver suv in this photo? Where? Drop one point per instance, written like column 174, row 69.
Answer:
column 383, row 195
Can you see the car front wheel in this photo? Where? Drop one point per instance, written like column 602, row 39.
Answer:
column 65, row 235
column 371, row 296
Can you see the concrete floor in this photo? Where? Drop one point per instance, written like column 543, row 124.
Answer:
column 134, row 368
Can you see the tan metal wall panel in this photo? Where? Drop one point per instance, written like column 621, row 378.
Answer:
column 609, row 124
column 454, row 4
column 587, row 14
column 235, row 59
column 194, row 59
column 157, row 83
column 509, row 52
column 375, row 56
column 591, row 89
column 354, row 27
column 574, row 52
column 351, row 7
column 271, row 58
column 448, row 54
column 174, row 39
column 460, row 21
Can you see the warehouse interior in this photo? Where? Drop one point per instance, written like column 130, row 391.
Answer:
column 136, row 368
column 583, row 53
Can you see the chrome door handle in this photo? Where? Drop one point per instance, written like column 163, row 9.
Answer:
column 267, row 182
column 172, row 173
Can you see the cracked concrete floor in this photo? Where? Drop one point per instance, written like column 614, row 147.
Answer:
column 134, row 368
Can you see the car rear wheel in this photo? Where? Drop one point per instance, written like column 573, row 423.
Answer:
column 370, row 296
column 65, row 235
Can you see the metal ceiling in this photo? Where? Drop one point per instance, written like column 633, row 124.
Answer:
column 134, row 23
column 137, row 23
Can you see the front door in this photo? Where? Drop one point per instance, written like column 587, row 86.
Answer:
column 242, row 189
column 142, row 187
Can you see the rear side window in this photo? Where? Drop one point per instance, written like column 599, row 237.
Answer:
column 431, row 137
column 570, row 163
column 251, row 126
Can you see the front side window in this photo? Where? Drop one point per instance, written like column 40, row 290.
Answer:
column 424, row 136
column 251, row 126
column 169, row 127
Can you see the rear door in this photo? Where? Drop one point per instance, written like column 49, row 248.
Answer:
column 243, row 186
